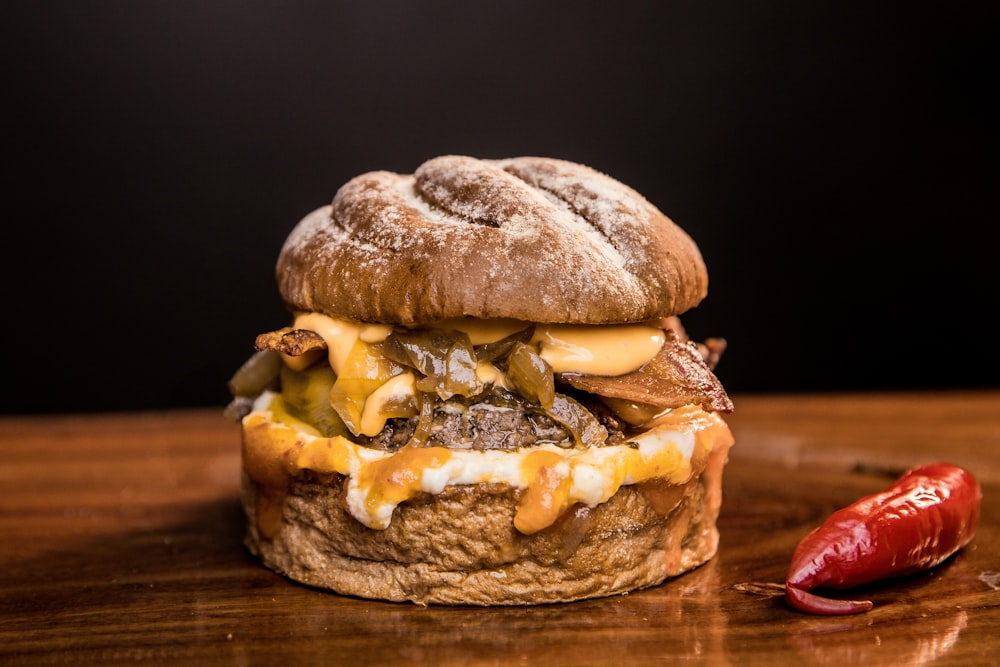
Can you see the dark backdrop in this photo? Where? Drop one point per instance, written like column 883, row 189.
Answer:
column 836, row 162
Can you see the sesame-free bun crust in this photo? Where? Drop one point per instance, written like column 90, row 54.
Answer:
column 530, row 238
column 459, row 547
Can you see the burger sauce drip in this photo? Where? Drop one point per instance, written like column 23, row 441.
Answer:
column 707, row 465
column 572, row 527
column 268, row 455
column 400, row 477
column 665, row 495
column 548, row 492
column 273, row 454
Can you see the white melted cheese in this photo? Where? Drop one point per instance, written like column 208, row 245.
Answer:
column 378, row 480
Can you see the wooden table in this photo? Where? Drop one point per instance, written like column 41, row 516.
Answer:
column 122, row 543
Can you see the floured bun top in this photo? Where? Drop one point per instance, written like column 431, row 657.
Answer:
column 530, row 238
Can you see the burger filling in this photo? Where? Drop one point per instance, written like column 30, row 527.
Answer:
column 485, row 386
column 577, row 411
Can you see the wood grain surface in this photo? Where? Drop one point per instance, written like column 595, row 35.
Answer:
column 122, row 543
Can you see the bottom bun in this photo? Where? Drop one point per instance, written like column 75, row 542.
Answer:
column 459, row 547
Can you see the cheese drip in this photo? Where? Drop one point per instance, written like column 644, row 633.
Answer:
column 278, row 447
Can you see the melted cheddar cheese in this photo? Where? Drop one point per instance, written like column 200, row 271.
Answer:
column 610, row 349
column 277, row 447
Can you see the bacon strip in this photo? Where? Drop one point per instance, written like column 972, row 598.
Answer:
column 678, row 375
column 293, row 342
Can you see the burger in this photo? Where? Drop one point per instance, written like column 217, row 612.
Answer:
column 483, row 394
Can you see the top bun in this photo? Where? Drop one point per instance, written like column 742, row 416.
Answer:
column 529, row 238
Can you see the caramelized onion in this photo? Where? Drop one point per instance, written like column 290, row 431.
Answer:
column 256, row 374
column 578, row 420
column 307, row 397
column 422, row 433
column 531, row 375
column 460, row 377
column 445, row 357
column 500, row 349
column 572, row 526
column 633, row 413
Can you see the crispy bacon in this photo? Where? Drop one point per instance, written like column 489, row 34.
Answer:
column 711, row 351
column 678, row 375
column 293, row 342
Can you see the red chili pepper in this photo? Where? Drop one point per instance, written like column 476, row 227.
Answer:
column 926, row 516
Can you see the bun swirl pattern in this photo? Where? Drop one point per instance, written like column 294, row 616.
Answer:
column 530, row 238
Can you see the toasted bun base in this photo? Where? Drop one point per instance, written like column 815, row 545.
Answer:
column 460, row 547
column 452, row 240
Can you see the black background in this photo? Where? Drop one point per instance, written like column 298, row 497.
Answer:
column 836, row 163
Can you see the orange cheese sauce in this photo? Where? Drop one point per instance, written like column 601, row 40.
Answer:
column 548, row 491
column 397, row 478
column 277, row 447
column 611, row 349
